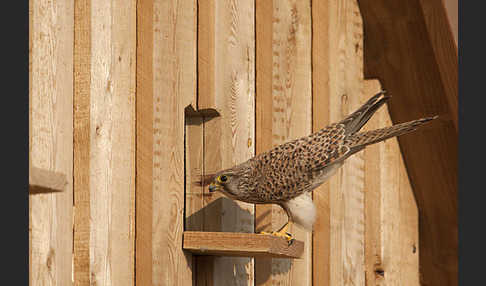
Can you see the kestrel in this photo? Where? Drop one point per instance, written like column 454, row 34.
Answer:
column 284, row 174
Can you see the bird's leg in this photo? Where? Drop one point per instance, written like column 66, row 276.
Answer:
column 282, row 232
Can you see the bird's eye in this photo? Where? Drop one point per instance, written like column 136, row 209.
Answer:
column 223, row 178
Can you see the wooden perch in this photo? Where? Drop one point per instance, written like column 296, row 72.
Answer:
column 241, row 244
column 44, row 181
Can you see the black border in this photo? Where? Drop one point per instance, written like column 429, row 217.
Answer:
column 14, row 115
column 15, row 141
column 472, row 122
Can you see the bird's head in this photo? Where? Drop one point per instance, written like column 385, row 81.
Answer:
column 226, row 182
column 229, row 181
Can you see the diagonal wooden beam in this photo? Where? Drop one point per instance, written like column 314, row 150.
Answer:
column 408, row 45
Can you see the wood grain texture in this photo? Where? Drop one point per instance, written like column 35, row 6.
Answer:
column 51, row 139
column 444, row 46
column 145, row 143
column 321, row 45
column 284, row 103
column 173, row 87
column 241, row 244
column 81, row 144
column 408, row 68
column 226, row 83
column 110, row 189
column 391, row 246
column 43, row 181
column 347, row 186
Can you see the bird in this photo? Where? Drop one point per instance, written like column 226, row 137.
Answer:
column 285, row 174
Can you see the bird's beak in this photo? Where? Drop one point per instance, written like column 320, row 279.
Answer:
column 214, row 187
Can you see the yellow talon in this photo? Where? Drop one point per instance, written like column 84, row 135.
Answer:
column 281, row 233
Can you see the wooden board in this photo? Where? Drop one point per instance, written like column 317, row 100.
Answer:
column 391, row 213
column 145, row 144
column 166, row 83
column 226, row 84
column 321, row 60
column 412, row 68
column 105, row 142
column 51, row 139
column 82, row 91
column 44, row 181
column 241, row 244
column 284, row 103
column 347, row 185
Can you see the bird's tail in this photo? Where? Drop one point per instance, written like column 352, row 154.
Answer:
column 359, row 140
column 357, row 119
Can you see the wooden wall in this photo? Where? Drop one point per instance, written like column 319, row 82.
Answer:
column 113, row 83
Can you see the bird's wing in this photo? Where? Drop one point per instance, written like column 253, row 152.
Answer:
column 326, row 147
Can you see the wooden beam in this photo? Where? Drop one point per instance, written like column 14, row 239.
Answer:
column 226, row 80
column 145, row 143
column 321, row 48
column 166, row 84
column 241, row 244
column 403, row 50
column 82, row 142
column 284, row 112
column 45, row 181
column 51, row 139
column 104, row 127
column 391, row 215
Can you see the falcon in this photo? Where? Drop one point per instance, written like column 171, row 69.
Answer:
column 285, row 174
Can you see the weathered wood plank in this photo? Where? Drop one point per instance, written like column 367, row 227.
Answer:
column 409, row 69
column 226, row 83
column 391, row 213
column 81, row 183
column 263, row 119
column 51, row 139
column 283, row 113
column 241, row 244
column 145, row 143
column 109, row 121
column 373, row 196
column 167, row 84
column 347, row 186
column 320, row 118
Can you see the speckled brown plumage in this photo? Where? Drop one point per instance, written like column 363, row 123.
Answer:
column 299, row 166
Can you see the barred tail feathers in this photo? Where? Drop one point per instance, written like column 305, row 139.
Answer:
column 362, row 139
column 357, row 119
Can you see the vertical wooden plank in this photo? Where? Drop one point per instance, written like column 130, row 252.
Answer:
column 263, row 119
column 409, row 230
column 373, row 196
column 194, row 163
column 391, row 213
column 320, row 118
column 226, row 83
column 173, row 87
column 51, row 142
column 108, row 128
column 145, row 146
column 81, row 179
column 347, row 186
column 288, row 99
